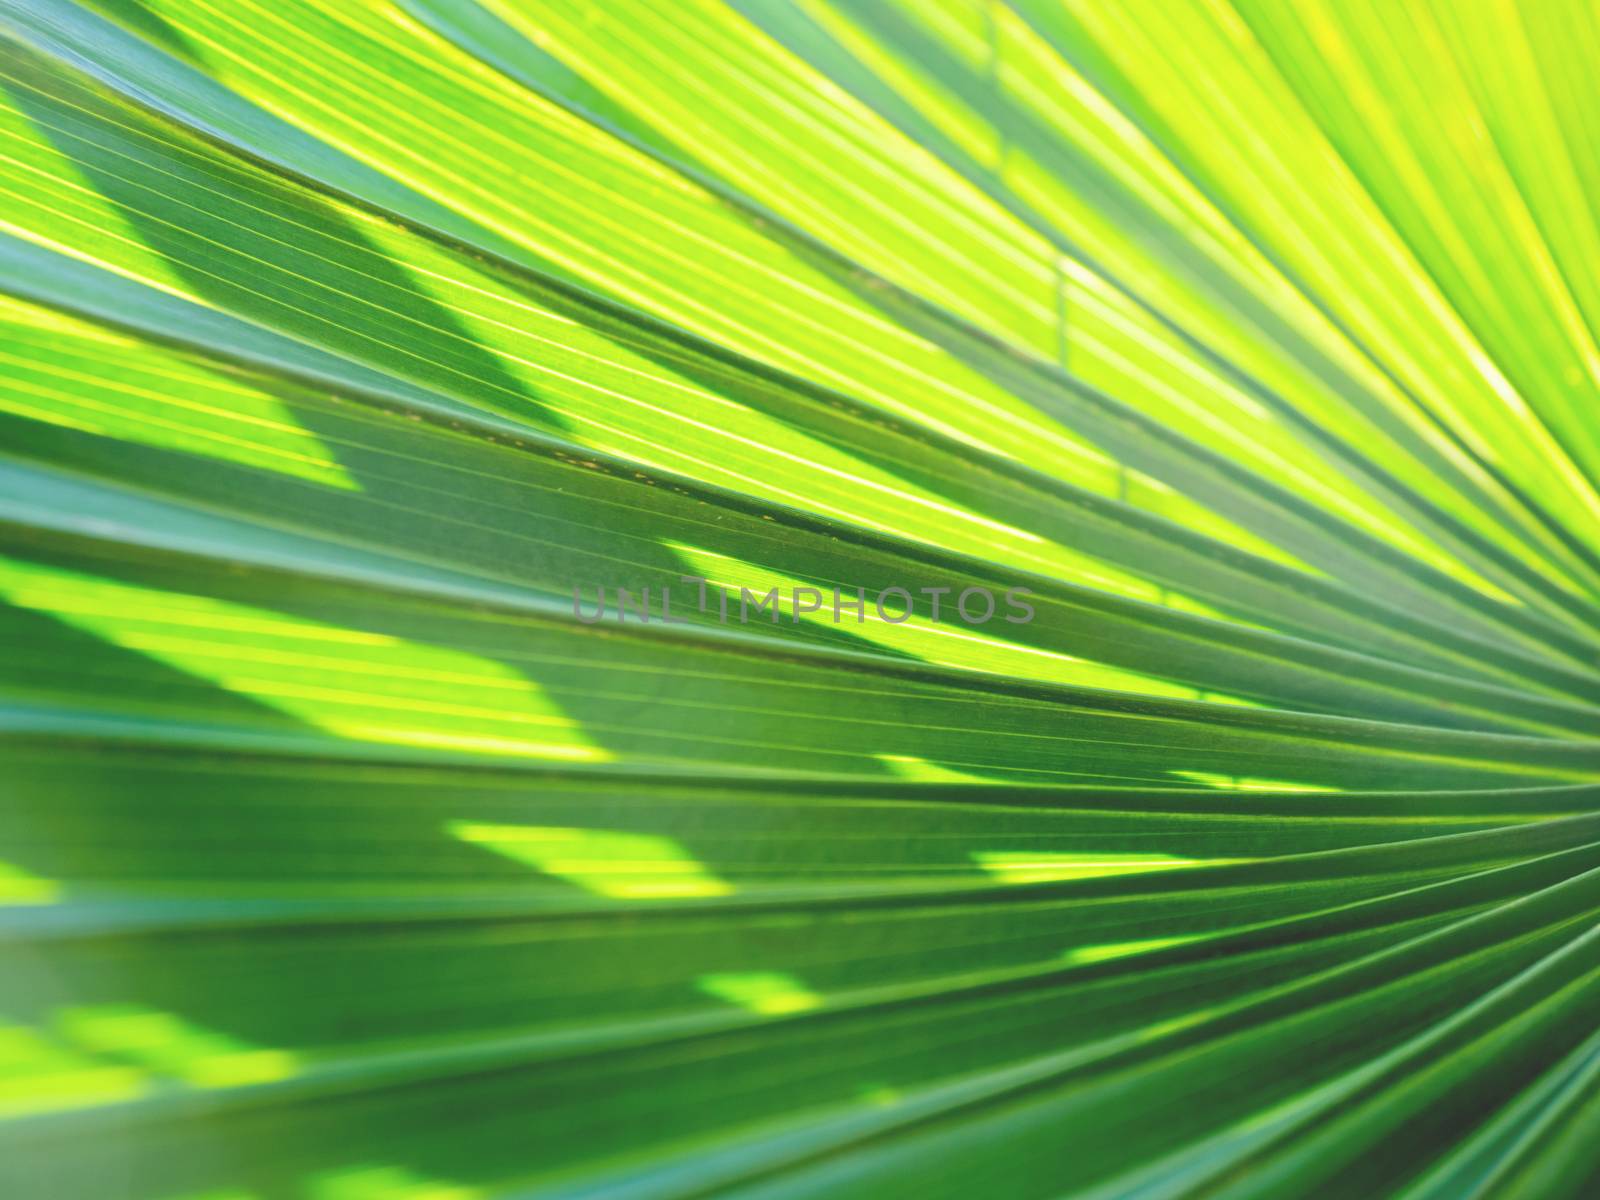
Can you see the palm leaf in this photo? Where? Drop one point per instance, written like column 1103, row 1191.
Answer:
column 346, row 859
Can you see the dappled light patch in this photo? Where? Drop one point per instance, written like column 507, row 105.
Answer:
column 909, row 766
column 384, row 1183
column 353, row 683
column 169, row 1047
column 83, row 375
column 41, row 1072
column 1044, row 866
column 626, row 866
column 770, row 993
column 1109, row 950
column 19, row 886
column 1235, row 783
column 948, row 641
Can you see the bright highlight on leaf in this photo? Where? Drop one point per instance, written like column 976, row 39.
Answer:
column 167, row 1046
column 75, row 373
column 42, row 1074
column 384, row 1183
column 607, row 863
column 1026, row 866
column 740, row 588
column 769, row 993
column 21, row 887
column 1234, row 783
column 1094, row 954
column 355, row 683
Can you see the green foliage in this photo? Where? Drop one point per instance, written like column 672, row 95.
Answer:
column 1253, row 339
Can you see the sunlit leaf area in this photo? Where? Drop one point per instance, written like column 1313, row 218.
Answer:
column 363, row 361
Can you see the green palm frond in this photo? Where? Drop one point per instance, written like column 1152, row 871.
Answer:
column 1242, row 353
